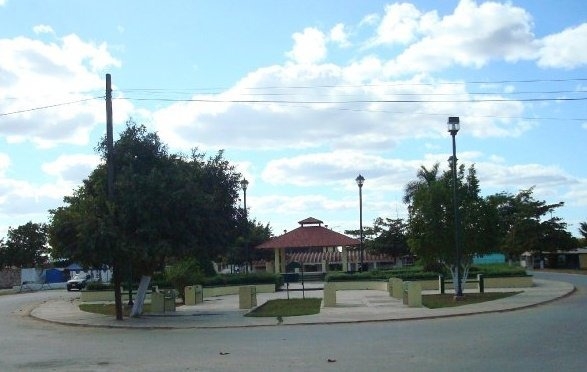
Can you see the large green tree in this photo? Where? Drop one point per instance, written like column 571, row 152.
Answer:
column 390, row 237
column 25, row 246
column 165, row 206
column 431, row 224
column 529, row 225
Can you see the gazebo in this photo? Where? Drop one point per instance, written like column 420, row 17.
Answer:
column 311, row 243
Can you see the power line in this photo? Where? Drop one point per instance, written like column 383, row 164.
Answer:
column 48, row 106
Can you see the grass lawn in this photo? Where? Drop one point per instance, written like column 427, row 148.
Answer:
column 292, row 307
column 436, row 301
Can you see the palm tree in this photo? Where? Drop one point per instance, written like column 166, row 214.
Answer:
column 425, row 177
column 583, row 229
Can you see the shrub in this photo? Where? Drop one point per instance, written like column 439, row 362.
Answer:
column 184, row 273
column 243, row 279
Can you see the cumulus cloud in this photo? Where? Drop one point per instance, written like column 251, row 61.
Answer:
column 339, row 35
column 564, row 50
column 472, row 36
column 65, row 76
column 43, row 29
column 71, row 168
column 309, row 46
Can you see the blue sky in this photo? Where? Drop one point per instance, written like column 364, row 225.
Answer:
column 302, row 96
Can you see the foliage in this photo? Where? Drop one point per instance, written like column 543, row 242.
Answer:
column 583, row 230
column 419, row 273
column 390, row 237
column 292, row 307
column 243, row 279
column 99, row 286
column 25, row 246
column 183, row 273
column 166, row 206
column 523, row 226
column 251, row 234
column 431, row 225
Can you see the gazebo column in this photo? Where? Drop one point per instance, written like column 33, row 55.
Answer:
column 277, row 261
column 345, row 259
column 282, row 259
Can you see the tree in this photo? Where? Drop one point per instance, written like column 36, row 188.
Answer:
column 165, row 206
column 431, row 218
column 523, row 226
column 583, row 230
column 25, row 246
column 390, row 237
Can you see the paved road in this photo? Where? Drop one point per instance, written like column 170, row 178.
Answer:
column 546, row 338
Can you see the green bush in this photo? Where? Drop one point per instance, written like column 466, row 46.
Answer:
column 243, row 279
column 98, row 286
column 418, row 273
column 184, row 273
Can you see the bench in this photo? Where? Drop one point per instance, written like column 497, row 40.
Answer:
column 480, row 281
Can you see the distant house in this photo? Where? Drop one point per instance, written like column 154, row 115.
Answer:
column 574, row 259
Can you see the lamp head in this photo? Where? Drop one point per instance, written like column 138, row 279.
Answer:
column 360, row 180
column 453, row 125
column 244, row 184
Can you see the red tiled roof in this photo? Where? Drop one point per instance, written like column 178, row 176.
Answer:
column 336, row 257
column 309, row 237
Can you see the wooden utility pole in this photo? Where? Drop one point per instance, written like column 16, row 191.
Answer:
column 110, row 187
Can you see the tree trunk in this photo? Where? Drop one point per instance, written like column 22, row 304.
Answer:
column 117, row 291
column 137, row 308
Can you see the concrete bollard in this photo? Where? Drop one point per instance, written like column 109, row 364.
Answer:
column 189, row 295
column 397, row 288
column 329, row 294
column 247, row 297
column 413, row 296
column 157, row 302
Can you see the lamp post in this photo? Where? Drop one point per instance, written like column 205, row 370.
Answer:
column 454, row 125
column 360, row 180
column 244, row 185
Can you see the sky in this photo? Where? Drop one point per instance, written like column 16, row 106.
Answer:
column 302, row 96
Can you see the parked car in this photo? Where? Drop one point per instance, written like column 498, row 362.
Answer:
column 78, row 282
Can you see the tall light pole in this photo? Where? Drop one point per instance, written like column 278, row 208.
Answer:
column 360, row 180
column 244, row 185
column 454, row 125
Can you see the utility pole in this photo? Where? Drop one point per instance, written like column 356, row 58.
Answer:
column 110, row 188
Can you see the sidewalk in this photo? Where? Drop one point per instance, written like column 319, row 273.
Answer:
column 353, row 306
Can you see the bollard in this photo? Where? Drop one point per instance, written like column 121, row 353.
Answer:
column 189, row 296
column 481, row 283
column 247, row 297
column 441, row 284
column 329, row 294
column 397, row 288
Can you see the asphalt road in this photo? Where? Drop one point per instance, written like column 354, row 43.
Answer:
column 545, row 338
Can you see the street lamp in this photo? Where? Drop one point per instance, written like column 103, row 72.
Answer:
column 244, row 185
column 454, row 125
column 360, row 180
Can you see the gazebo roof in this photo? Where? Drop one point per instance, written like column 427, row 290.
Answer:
column 310, row 234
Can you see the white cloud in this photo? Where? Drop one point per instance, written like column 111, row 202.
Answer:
column 309, row 46
column 36, row 74
column 399, row 25
column 72, row 168
column 339, row 35
column 43, row 29
column 565, row 49
column 471, row 36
